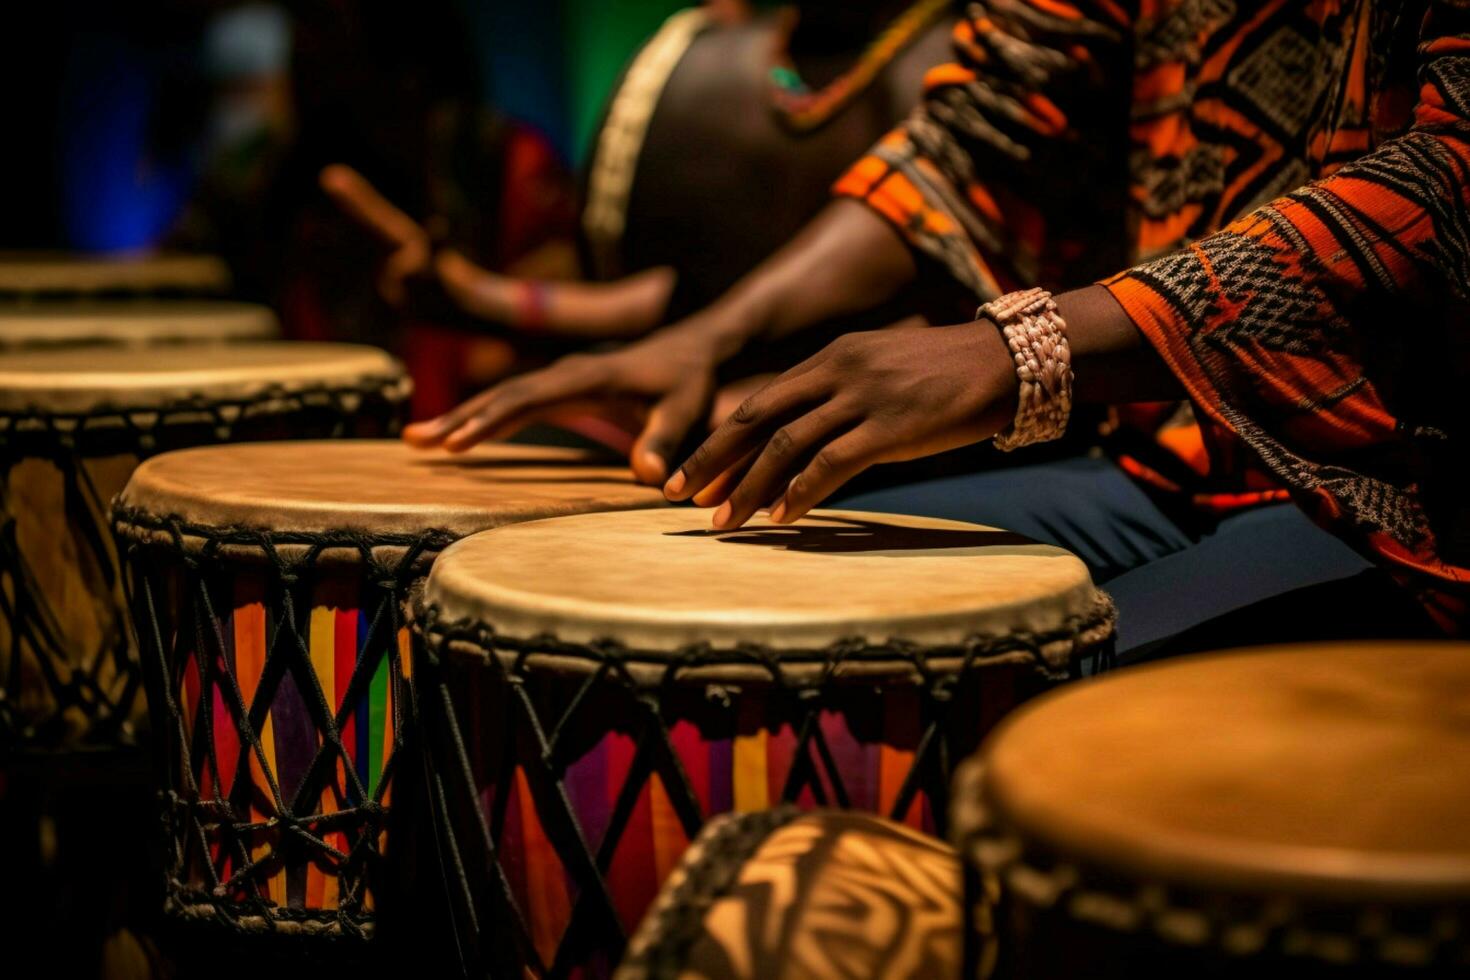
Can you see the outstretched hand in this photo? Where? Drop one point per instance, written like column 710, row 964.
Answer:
column 866, row 398
column 668, row 380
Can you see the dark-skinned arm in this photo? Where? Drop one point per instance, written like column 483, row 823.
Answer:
column 898, row 394
column 412, row 265
column 847, row 259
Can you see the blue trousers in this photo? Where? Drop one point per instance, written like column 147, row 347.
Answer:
column 1266, row 575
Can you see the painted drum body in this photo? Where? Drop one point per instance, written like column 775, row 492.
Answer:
column 782, row 895
column 1279, row 812
column 268, row 581
column 595, row 688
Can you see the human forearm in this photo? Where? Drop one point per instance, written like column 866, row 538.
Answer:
column 1112, row 362
column 847, row 260
column 627, row 308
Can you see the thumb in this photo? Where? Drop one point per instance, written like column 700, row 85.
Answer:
column 669, row 421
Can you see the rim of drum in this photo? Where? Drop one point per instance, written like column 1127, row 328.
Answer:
column 854, row 661
column 1218, row 915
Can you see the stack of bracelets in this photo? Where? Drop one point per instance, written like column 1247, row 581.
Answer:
column 1037, row 337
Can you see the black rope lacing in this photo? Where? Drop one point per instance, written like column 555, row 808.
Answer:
column 90, row 694
column 177, row 571
column 483, row 887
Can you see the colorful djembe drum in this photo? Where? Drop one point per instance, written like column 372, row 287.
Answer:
column 39, row 276
column 268, row 581
column 787, row 895
column 596, row 687
column 138, row 323
column 74, row 423
column 1286, row 812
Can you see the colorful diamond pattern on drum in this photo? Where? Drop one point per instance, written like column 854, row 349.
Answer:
column 265, row 758
column 282, row 689
column 569, row 790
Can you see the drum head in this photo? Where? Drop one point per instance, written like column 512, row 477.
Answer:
column 659, row 580
column 1334, row 772
column 83, row 380
column 65, row 273
column 138, row 323
column 377, row 487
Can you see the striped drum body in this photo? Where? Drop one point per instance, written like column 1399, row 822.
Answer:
column 268, row 582
column 595, row 688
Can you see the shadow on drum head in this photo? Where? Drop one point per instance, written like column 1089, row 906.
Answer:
column 549, row 471
column 464, row 462
column 862, row 537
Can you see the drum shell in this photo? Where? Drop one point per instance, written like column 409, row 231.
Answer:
column 734, row 725
column 58, row 475
column 784, row 894
column 1277, row 811
column 238, row 774
column 1049, row 941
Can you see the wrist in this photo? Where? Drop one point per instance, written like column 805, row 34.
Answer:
column 991, row 360
column 728, row 326
column 1036, row 337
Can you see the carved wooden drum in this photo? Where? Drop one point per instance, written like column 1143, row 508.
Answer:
column 1287, row 812
column 601, row 685
column 74, row 423
column 41, row 276
column 141, row 323
column 782, row 895
column 268, row 581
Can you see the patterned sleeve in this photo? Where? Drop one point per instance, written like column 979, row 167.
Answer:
column 995, row 171
column 1319, row 331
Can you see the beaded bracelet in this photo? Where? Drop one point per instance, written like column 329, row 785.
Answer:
column 1037, row 337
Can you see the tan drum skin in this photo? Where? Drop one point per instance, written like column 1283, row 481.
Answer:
column 662, row 579
column 75, row 274
column 1304, row 803
column 378, row 486
column 641, row 663
column 74, row 381
column 134, row 323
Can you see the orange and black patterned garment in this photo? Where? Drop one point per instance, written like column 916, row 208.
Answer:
column 1288, row 180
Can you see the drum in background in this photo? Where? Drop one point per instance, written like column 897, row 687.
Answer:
column 139, row 323
column 781, row 895
column 268, row 581
column 698, row 90
column 74, row 423
column 40, row 275
column 596, row 687
column 1293, row 812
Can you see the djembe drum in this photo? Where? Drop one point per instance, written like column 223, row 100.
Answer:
column 44, row 276
column 1287, row 812
column 782, row 895
column 598, row 686
column 74, row 423
column 268, row 580
column 139, row 323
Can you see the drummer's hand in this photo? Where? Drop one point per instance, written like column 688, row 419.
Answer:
column 410, row 251
column 866, row 398
column 670, row 375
